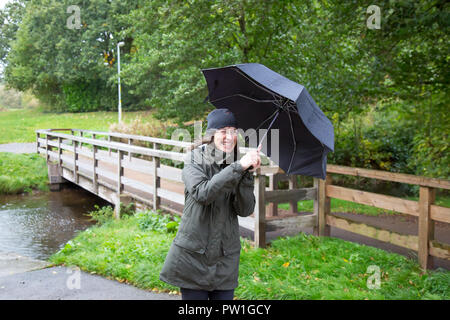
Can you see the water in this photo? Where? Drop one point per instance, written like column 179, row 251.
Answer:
column 39, row 225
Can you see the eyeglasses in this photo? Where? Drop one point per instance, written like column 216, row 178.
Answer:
column 227, row 131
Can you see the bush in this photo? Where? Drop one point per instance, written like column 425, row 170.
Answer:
column 106, row 213
column 149, row 220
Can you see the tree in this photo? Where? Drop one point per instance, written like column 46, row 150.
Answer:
column 62, row 65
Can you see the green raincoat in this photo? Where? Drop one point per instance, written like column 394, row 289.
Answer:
column 205, row 252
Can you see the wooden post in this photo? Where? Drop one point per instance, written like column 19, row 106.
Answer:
column 156, row 180
column 38, row 135
column 426, row 226
column 59, row 151
column 46, row 148
column 293, row 185
column 75, row 159
column 94, row 169
column 109, row 148
column 273, row 206
column 260, row 211
column 119, row 183
column 130, row 142
column 322, row 206
column 54, row 175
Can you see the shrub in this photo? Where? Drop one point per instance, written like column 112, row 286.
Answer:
column 149, row 220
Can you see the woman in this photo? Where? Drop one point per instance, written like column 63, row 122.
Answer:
column 203, row 259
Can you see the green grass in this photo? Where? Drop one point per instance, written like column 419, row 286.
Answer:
column 20, row 125
column 22, row 173
column 338, row 205
column 300, row 267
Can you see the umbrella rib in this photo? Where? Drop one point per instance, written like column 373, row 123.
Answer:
column 242, row 95
column 293, row 138
column 255, row 83
column 267, row 119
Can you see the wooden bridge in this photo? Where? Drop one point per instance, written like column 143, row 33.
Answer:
column 123, row 168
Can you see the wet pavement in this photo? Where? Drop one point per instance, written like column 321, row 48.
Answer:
column 61, row 283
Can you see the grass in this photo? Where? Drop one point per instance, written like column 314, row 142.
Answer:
column 22, row 173
column 20, row 125
column 300, row 267
column 338, row 205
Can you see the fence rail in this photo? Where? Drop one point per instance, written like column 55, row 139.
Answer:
column 425, row 209
column 112, row 166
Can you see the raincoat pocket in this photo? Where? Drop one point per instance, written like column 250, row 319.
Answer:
column 185, row 242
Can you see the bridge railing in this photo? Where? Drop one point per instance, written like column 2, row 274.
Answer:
column 66, row 147
column 103, row 174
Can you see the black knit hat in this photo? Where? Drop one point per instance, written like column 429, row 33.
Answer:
column 219, row 118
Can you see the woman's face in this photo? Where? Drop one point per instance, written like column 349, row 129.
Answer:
column 225, row 139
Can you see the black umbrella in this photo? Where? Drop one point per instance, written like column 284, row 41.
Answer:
column 262, row 99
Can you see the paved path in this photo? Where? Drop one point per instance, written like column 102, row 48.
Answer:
column 23, row 278
column 18, row 147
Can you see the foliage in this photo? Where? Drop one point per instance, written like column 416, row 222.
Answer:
column 149, row 220
column 143, row 125
column 22, row 173
column 298, row 267
column 101, row 215
column 68, row 57
column 10, row 18
column 348, row 68
column 106, row 213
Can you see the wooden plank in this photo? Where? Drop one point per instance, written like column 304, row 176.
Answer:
column 260, row 211
column 438, row 213
column 105, row 190
column 124, row 147
column 170, row 173
column 426, row 225
column 140, row 138
column 374, row 199
column 406, row 241
column 439, row 250
column 281, row 196
column 170, row 195
column 247, row 222
column 390, row 176
column 304, row 221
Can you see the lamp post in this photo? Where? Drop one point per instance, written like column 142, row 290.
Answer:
column 119, row 45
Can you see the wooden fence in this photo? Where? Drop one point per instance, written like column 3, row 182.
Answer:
column 116, row 168
column 425, row 209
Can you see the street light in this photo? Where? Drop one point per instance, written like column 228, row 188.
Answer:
column 120, row 44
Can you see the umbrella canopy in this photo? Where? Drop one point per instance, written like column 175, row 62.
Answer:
column 260, row 98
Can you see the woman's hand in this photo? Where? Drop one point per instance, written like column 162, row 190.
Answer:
column 252, row 158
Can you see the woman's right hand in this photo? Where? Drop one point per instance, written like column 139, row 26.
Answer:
column 251, row 158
